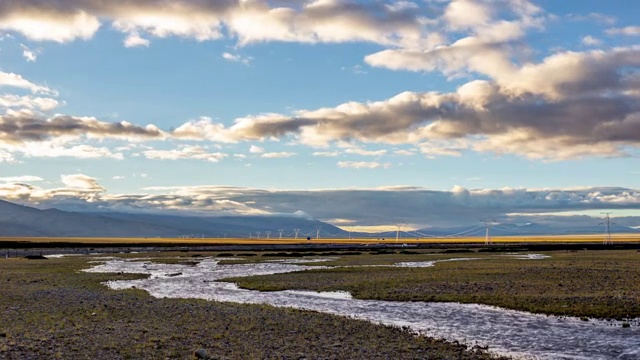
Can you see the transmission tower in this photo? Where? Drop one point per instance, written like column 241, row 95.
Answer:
column 258, row 232
column 296, row 231
column 607, row 229
column 268, row 234
column 318, row 232
column 350, row 229
column 280, row 231
column 488, row 224
column 399, row 225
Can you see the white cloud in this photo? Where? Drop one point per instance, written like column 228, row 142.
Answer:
column 248, row 21
column 237, row 58
column 405, row 152
column 134, row 40
column 629, row 31
column 28, row 54
column 363, row 152
column 47, row 23
column 277, row 155
column 21, row 179
column 53, row 150
column 118, row 177
column 363, row 164
column 81, row 181
column 186, row 152
column 28, row 102
column 256, row 149
column 326, row 153
column 591, row 41
column 17, row 81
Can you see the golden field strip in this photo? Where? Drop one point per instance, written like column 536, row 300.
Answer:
column 618, row 238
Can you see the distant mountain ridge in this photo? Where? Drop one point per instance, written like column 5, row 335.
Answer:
column 19, row 220
column 24, row 221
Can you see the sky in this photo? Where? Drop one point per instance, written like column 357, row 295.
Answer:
column 361, row 113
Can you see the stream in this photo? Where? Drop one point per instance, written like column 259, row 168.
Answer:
column 506, row 332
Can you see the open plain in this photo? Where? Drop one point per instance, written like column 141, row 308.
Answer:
column 54, row 310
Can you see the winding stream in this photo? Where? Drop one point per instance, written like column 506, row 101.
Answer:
column 514, row 333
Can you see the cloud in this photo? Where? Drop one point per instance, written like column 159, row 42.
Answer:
column 326, row 153
column 81, row 181
column 571, row 104
column 593, row 17
column 629, row 31
column 204, row 129
column 276, row 155
column 248, row 21
column 21, row 179
column 363, row 152
column 256, row 149
column 237, row 58
column 28, row 102
column 81, row 151
column 186, row 152
column 17, row 81
column 28, row 54
column 46, row 23
column 362, row 207
column 591, row 41
column 134, row 40
column 405, row 152
column 363, row 164
column 21, row 127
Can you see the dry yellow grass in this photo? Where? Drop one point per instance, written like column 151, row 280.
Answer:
column 214, row 241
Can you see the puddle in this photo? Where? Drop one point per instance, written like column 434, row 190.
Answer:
column 526, row 256
column 515, row 333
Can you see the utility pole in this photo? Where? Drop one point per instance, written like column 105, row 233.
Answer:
column 280, row 230
column 296, row 231
column 318, row 232
column 607, row 229
column 488, row 224
column 350, row 228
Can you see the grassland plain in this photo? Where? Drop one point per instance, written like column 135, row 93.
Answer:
column 600, row 284
column 50, row 310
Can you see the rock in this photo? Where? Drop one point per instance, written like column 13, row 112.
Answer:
column 201, row 354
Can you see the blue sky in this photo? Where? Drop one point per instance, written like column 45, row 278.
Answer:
column 104, row 103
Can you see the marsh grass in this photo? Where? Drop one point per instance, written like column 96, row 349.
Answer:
column 50, row 310
column 600, row 284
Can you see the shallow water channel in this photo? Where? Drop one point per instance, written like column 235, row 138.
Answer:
column 514, row 333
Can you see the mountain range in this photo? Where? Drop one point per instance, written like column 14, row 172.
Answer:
column 24, row 221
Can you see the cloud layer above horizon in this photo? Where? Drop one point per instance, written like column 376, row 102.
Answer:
column 413, row 206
